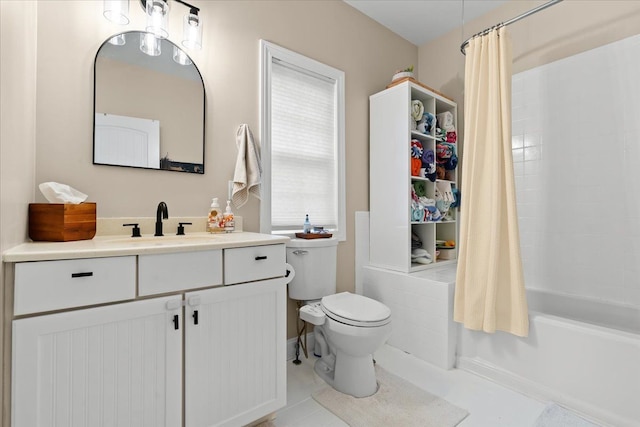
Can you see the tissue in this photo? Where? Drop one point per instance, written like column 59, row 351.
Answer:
column 55, row 192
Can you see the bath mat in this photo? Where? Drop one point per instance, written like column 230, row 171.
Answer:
column 397, row 403
column 556, row 416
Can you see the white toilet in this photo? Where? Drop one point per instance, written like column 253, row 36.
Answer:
column 349, row 328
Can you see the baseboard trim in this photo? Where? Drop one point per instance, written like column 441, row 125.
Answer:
column 291, row 346
column 537, row 391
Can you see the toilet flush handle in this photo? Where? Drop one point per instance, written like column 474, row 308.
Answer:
column 300, row 252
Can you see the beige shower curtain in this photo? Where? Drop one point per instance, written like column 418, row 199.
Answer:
column 489, row 292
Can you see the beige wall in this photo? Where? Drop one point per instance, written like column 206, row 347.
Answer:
column 564, row 29
column 17, row 142
column 70, row 33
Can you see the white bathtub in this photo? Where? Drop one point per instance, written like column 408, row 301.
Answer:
column 623, row 318
column 580, row 353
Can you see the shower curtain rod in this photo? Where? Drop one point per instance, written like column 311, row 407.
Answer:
column 464, row 45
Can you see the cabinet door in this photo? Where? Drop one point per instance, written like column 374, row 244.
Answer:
column 235, row 356
column 118, row 365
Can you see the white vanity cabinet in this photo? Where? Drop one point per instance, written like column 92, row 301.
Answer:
column 116, row 365
column 235, row 355
column 184, row 350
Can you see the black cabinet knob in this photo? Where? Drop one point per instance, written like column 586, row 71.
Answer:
column 135, row 232
column 181, row 228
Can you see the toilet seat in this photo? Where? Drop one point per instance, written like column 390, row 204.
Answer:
column 355, row 310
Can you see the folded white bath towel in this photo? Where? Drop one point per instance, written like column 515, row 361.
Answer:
column 248, row 173
column 445, row 121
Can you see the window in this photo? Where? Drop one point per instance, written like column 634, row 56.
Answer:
column 302, row 134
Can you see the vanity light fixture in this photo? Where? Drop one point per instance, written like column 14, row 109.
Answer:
column 158, row 22
column 157, row 11
column 116, row 11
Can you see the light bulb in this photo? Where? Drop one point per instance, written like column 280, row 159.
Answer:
column 158, row 18
column 116, row 11
column 192, row 31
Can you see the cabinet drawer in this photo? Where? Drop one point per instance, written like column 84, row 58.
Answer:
column 164, row 273
column 53, row 285
column 253, row 263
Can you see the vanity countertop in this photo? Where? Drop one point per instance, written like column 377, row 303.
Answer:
column 107, row 246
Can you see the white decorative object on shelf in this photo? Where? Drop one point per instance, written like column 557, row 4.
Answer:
column 401, row 74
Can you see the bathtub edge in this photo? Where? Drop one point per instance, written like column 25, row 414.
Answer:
column 491, row 372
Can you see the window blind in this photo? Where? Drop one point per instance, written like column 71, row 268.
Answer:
column 304, row 150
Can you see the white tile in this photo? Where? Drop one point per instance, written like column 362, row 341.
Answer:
column 488, row 404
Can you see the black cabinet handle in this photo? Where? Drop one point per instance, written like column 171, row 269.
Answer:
column 258, row 258
column 87, row 274
column 195, row 317
column 176, row 322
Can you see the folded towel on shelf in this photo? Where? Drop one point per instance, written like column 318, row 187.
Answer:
column 417, row 110
column 445, row 121
column 248, row 172
column 429, row 164
column 427, row 123
column 421, row 256
column 417, row 253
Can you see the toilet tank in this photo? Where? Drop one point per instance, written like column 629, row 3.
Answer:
column 314, row 262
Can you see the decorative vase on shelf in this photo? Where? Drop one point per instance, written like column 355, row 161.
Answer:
column 402, row 75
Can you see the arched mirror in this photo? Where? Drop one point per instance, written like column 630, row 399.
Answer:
column 149, row 103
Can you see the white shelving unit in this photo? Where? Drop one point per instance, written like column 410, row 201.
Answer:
column 390, row 135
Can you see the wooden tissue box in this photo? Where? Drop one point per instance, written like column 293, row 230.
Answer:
column 62, row 222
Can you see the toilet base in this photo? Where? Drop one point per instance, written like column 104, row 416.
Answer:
column 348, row 374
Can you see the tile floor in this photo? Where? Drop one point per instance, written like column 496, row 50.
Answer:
column 488, row 404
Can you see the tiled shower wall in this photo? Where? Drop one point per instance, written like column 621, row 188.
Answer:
column 576, row 152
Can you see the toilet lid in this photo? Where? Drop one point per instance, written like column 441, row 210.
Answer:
column 356, row 310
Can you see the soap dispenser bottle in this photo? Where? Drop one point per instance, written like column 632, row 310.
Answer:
column 229, row 223
column 215, row 217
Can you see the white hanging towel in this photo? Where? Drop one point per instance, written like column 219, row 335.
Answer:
column 248, row 174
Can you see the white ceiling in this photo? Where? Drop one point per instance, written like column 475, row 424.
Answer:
column 420, row 21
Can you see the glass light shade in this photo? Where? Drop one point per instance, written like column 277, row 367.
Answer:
column 180, row 57
column 192, row 31
column 116, row 11
column 149, row 44
column 158, row 18
column 118, row 40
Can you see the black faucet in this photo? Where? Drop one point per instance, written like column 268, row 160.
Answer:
column 162, row 212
